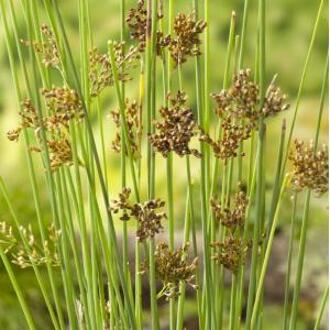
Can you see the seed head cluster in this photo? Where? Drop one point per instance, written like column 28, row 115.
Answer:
column 139, row 25
column 186, row 41
column 35, row 252
column 176, row 129
column 173, row 267
column 29, row 119
column 239, row 109
column 231, row 253
column 100, row 70
column 60, row 153
column 231, row 217
column 63, row 105
column 233, row 134
column 147, row 214
column 310, row 167
column 47, row 48
column 240, row 100
column 132, row 112
column 274, row 102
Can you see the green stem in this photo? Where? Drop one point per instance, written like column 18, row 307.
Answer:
column 321, row 309
column 18, row 291
column 261, row 279
column 289, row 263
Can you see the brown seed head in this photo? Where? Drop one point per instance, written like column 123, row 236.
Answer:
column 310, row 167
column 176, row 129
column 173, row 267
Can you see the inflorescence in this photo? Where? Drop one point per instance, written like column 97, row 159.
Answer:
column 134, row 125
column 231, row 253
column 310, row 167
column 173, row 267
column 238, row 108
column 34, row 252
column 147, row 214
column 176, row 129
column 101, row 72
column 63, row 105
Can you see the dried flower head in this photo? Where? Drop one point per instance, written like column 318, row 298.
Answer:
column 186, row 42
column 100, row 71
column 147, row 214
column 122, row 204
column 232, row 135
column 232, row 217
column 173, row 267
column 33, row 252
column 310, row 167
column 240, row 100
column 29, row 119
column 139, row 25
column 132, row 116
column 60, row 153
column 64, row 104
column 149, row 218
column 176, row 129
column 231, row 253
column 37, row 253
column 137, row 21
column 47, row 49
column 275, row 101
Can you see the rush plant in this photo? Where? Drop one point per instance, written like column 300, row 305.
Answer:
column 90, row 272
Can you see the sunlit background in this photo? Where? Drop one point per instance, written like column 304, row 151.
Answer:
column 289, row 26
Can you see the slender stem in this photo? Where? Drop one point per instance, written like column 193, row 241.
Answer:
column 289, row 263
column 321, row 309
column 261, row 279
column 18, row 291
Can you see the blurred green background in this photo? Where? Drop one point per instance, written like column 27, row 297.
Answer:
column 289, row 26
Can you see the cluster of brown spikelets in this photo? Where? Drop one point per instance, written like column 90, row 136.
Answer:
column 184, row 42
column 310, row 167
column 176, row 129
column 231, row 252
column 63, row 105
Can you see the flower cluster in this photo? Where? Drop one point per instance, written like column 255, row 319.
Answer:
column 232, row 135
column 132, row 116
column 173, row 267
column 232, row 217
column 47, row 49
column 176, row 129
column 29, row 119
column 240, row 100
column 100, row 70
column 147, row 214
column 186, row 42
column 139, row 25
column 60, row 153
column 36, row 253
column 239, row 109
column 63, row 104
column 231, row 253
column 274, row 102
column 310, row 167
